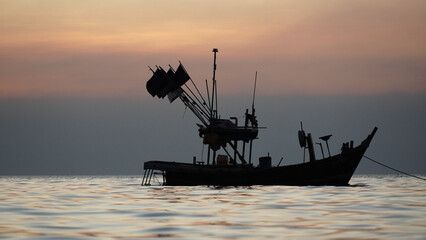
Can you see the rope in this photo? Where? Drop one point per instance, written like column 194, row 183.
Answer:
column 395, row 169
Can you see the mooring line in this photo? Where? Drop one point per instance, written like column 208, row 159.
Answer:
column 396, row 170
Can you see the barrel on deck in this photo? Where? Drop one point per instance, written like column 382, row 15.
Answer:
column 222, row 159
column 265, row 162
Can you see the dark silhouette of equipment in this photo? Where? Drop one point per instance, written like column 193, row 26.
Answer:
column 224, row 133
column 322, row 151
column 326, row 138
column 305, row 141
column 217, row 133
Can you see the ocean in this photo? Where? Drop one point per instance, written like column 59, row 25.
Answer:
column 117, row 207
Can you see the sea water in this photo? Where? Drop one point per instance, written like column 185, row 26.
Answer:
column 117, row 207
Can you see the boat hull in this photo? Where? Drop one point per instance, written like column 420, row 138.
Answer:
column 336, row 170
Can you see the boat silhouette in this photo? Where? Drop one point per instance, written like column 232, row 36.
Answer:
column 235, row 168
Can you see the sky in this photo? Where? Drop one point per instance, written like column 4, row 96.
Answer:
column 59, row 59
column 102, row 48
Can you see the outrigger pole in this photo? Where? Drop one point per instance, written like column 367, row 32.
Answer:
column 217, row 133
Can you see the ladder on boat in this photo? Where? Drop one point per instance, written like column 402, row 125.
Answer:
column 149, row 176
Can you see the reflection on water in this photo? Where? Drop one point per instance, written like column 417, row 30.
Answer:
column 376, row 207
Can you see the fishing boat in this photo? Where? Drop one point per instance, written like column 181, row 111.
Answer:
column 235, row 168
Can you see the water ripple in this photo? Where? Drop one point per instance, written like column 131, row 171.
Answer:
column 374, row 207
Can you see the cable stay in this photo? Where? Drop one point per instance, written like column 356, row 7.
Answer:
column 396, row 170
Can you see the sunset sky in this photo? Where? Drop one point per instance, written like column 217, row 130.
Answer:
column 73, row 77
column 103, row 48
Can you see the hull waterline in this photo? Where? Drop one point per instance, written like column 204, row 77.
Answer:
column 336, row 171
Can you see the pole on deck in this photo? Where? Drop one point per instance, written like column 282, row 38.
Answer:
column 208, row 156
column 214, row 89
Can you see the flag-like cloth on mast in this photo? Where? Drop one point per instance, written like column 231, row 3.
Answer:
column 174, row 94
column 162, row 83
column 156, row 83
column 181, row 77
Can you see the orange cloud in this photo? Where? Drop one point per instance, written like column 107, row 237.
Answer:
column 97, row 48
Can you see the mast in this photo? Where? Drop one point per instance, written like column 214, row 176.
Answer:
column 254, row 93
column 213, row 112
column 252, row 115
